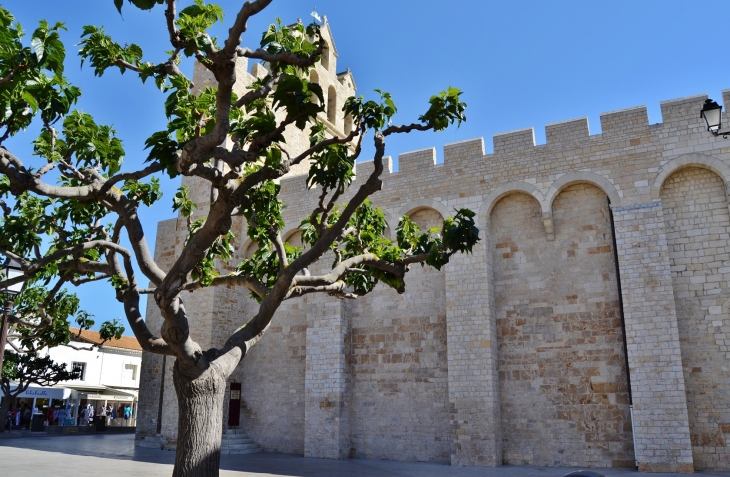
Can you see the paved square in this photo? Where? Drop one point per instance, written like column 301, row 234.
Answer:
column 115, row 455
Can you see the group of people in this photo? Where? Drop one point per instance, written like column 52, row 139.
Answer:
column 86, row 415
column 19, row 417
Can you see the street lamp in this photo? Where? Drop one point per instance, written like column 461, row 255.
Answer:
column 712, row 114
column 10, row 269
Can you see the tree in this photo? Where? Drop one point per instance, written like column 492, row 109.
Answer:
column 39, row 320
column 92, row 188
column 24, row 369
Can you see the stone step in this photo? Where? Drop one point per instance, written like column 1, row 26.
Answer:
column 242, row 442
column 149, row 444
column 246, row 450
column 239, row 437
column 246, row 445
column 238, row 443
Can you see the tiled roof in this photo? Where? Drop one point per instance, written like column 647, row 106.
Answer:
column 90, row 336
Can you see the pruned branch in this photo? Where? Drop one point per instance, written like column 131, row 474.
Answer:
column 275, row 238
column 170, row 13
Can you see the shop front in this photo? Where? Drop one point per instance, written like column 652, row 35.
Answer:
column 118, row 407
column 54, row 403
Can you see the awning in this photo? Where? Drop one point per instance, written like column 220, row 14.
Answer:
column 86, row 388
column 109, row 397
column 41, row 392
column 106, row 393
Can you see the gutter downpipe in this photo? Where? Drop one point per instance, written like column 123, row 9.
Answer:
column 623, row 327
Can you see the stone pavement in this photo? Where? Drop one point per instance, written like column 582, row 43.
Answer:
column 115, row 455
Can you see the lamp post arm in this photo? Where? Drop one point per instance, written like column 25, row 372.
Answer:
column 721, row 132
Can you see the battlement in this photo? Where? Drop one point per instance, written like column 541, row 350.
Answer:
column 623, row 121
column 514, row 141
column 567, row 134
column 682, row 108
column 567, row 131
column 417, row 160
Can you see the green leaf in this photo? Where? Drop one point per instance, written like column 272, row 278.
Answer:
column 38, row 47
column 146, row 4
column 118, row 4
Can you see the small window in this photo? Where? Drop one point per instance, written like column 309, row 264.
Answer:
column 348, row 124
column 130, row 372
column 326, row 57
column 80, row 368
column 314, row 78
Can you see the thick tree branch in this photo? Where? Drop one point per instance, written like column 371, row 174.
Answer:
column 323, row 144
column 248, row 10
column 406, row 129
column 337, row 289
column 9, row 77
column 170, row 13
column 286, row 57
column 125, row 176
column 275, row 238
column 346, row 266
column 258, row 93
column 123, row 64
column 238, row 280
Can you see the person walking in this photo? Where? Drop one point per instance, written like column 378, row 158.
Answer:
column 25, row 417
column 84, row 417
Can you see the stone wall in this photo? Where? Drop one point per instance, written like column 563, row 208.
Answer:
column 562, row 368
column 399, row 370
column 698, row 225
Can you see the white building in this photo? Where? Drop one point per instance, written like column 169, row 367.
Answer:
column 109, row 378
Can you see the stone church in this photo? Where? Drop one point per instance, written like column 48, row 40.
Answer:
column 591, row 326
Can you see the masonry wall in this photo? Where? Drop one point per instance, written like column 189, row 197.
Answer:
column 513, row 354
column 272, row 401
column 399, row 368
column 561, row 365
column 698, row 224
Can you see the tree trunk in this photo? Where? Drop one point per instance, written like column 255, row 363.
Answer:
column 200, row 426
column 4, row 411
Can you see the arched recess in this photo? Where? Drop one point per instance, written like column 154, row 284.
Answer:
column 697, row 230
column 314, row 78
column 326, row 57
column 293, row 236
column 583, row 177
column 510, row 188
column 493, row 197
column 348, row 124
column 406, row 367
column 557, row 329
column 249, row 248
column 690, row 160
column 331, row 104
column 415, row 205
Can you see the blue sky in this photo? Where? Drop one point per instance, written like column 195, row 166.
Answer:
column 519, row 63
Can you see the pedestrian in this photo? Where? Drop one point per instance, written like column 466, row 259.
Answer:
column 84, row 417
column 25, row 416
